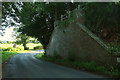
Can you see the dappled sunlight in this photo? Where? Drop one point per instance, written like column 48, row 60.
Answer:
column 9, row 45
column 32, row 45
column 73, row 34
column 32, row 51
column 29, row 45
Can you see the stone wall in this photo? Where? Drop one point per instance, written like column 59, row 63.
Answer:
column 75, row 38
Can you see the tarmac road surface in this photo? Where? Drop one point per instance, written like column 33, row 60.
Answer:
column 25, row 65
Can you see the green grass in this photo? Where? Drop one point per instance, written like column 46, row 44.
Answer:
column 8, row 50
column 6, row 55
column 9, row 45
column 82, row 65
column 38, row 56
column 30, row 45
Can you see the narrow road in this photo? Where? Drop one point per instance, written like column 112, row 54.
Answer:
column 25, row 65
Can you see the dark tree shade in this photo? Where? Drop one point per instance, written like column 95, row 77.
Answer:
column 38, row 18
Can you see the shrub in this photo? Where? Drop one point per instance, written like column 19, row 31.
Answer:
column 37, row 47
column 26, row 48
column 113, row 48
column 100, row 68
column 79, row 64
column 9, row 49
column 12, row 49
column 3, row 49
column 38, row 55
column 19, row 48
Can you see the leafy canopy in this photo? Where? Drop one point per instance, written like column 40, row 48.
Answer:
column 37, row 18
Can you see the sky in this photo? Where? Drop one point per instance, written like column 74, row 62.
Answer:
column 8, row 35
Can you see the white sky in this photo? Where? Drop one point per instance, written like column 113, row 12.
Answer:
column 8, row 35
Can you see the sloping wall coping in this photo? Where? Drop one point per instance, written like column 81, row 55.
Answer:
column 92, row 35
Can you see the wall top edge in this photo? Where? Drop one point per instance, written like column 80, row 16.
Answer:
column 60, row 0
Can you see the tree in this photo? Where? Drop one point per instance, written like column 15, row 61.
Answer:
column 101, row 16
column 38, row 18
column 21, row 38
column 1, row 28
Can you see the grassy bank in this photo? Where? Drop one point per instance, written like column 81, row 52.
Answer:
column 6, row 55
column 29, row 45
column 82, row 65
column 7, row 50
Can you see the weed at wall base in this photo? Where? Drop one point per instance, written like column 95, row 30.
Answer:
column 79, row 64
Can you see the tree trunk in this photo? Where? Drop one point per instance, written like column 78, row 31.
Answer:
column 44, row 47
column 24, row 44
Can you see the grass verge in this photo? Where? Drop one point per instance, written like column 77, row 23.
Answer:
column 82, row 65
column 6, row 55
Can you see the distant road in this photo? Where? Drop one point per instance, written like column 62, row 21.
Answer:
column 27, row 66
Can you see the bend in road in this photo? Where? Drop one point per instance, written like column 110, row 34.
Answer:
column 27, row 66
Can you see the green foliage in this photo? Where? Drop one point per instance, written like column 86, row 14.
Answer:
column 88, row 65
column 26, row 48
column 19, row 49
column 65, row 22
column 38, row 56
column 38, row 47
column 9, row 42
column 41, row 16
column 9, row 49
column 6, row 55
column 113, row 48
column 45, row 57
column 98, row 16
column 21, row 38
column 32, row 45
column 84, row 65
column 36, row 18
column 100, row 69
column 12, row 49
